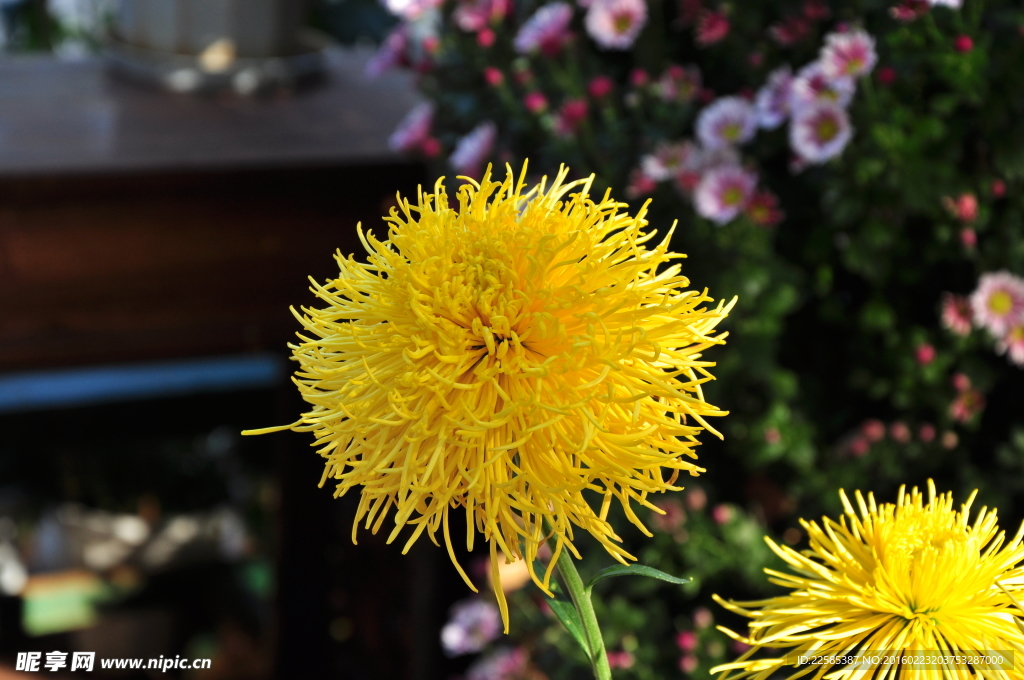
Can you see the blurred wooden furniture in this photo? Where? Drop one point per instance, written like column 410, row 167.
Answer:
column 137, row 224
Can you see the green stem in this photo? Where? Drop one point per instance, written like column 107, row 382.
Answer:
column 580, row 596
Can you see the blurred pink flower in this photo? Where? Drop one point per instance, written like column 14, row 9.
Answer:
column 723, row 193
column 640, row 184
column 886, row 75
column 790, row 31
column 963, row 43
column 998, row 302
column 535, row 102
column 493, row 76
column 899, row 432
column 726, row 121
column 712, row 27
column 702, row 617
column 949, row 439
column 687, row 640
column 1012, row 343
column 772, row 100
column 600, row 87
column 763, row 210
column 925, row 354
column 873, row 430
column 473, row 623
column 961, row 382
column 679, row 83
column 859, row 446
column 638, row 77
column 621, row 659
column 722, row 514
column 696, row 499
column 964, row 207
column 688, row 663
column 410, row 10
column 816, row 10
column 926, row 433
column 473, row 149
column 772, row 436
column 851, row 54
column 572, row 113
column 390, row 54
column 501, row 664
column 615, row 24
column 968, row 238
column 956, row 313
column 966, row 405
column 998, row 188
column 474, row 16
column 545, row 31
column 667, row 160
column 414, row 129
column 820, row 132
column 673, row 518
column 812, row 86
column 908, row 10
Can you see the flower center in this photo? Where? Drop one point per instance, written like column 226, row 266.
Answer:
column 622, row 22
column 826, row 129
column 732, row 196
column 1000, row 303
column 731, row 131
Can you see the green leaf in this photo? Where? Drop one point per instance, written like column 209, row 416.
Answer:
column 634, row 570
column 570, row 618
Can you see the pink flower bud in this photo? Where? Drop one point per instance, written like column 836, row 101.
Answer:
column 886, row 75
column 926, row 433
column 998, row 188
column 925, row 354
column 899, row 432
column 638, row 77
column 961, row 382
column 687, row 641
column 963, row 43
column 969, row 238
column 600, row 87
column 873, row 430
column 485, row 38
column 535, row 102
column 859, row 447
column 493, row 76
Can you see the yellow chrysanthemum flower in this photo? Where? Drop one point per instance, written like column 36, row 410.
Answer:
column 895, row 578
column 504, row 357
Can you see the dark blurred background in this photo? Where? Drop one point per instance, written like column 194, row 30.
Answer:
column 167, row 183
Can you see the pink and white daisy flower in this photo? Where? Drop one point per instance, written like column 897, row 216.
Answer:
column 820, row 132
column 414, row 129
column 473, row 624
column 699, row 161
column 668, row 160
column 410, row 10
column 473, row 149
column 772, row 101
column 1012, row 343
column 723, row 193
column 998, row 302
column 850, row 54
column 474, row 16
column 725, row 122
column 545, row 30
column 615, row 24
column 812, row 86
column 956, row 313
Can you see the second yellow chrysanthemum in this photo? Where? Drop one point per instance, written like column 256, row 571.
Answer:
column 504, row 357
